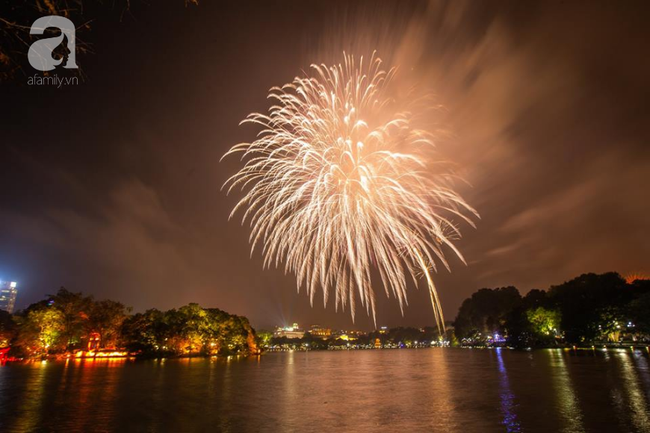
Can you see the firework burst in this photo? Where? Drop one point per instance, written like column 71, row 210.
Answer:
column 631, row 278
column 345, row 191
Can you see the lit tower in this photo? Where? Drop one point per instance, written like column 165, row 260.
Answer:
column 8, row 293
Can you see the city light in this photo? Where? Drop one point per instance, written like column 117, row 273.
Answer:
column 101, row 354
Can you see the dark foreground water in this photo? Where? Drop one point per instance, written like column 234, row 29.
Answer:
column 446, row 390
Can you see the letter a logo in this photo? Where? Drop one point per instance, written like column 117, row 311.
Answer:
column 40, row 52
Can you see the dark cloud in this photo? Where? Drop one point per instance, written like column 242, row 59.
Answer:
column 113, row 187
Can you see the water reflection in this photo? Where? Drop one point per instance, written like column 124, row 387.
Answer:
column 507, row 397
column 635, row 397
column 641, row 364
column 32, row 401
column 568, row 406
column 442, row 387
column 372, row 391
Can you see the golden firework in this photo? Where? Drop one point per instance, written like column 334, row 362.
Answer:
column 342, row 186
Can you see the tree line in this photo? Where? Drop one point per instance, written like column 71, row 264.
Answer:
column 401, row 337
column 586, row 310
column 68, row 322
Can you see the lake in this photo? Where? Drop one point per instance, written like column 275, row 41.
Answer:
column 437, row 389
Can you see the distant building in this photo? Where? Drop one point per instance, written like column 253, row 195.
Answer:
column 293, row 331
column 356, row 334
column 8, row 293
column 320, row 332
column 348, row 335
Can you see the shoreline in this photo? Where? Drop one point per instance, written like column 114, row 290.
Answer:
column 135, row 357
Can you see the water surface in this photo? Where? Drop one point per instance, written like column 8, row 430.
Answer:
column 445, row 390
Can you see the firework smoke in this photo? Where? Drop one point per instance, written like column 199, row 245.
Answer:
column 341, row 185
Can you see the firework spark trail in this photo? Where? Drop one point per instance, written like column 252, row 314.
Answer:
column 340, row 183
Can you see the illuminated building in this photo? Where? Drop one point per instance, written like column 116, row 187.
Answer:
column 348, row 335
column 293, row 331
column 93, row 341
column 383, row 330
column 3, row 354
column 356, row 334
column 318, row 331
column 8, row 293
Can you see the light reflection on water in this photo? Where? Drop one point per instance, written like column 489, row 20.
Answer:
column 507, row 397
column 634, row 393
column 568, row 405
column 467, row 390
column 32, row 399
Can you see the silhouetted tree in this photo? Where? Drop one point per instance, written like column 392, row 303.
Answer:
column 589, row 303
column 7, row 328
column 485, row 311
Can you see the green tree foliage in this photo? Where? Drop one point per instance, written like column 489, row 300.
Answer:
column 394, row 337
column 82, row 317
column 105, row 319
column 611, row 322
column 67, row 321
column 147, row 332
column 406, row 336
column 40, row 331
column 189, row 330
column 75, row 309
column 587, row 309
column 519, row 329
column 543, row 320
column 264, row 338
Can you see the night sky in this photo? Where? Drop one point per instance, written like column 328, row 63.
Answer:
column 112, row 187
